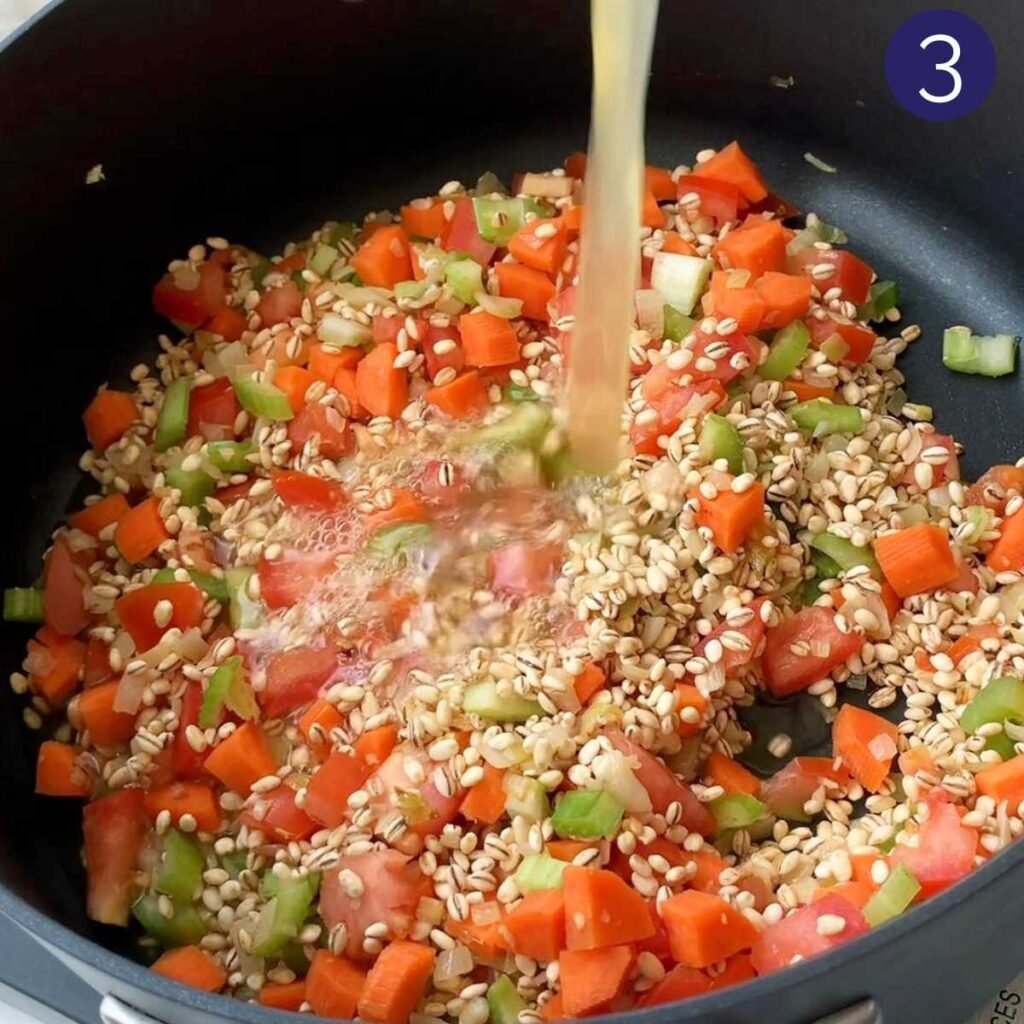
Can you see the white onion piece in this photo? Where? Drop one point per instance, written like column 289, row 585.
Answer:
column 1011, row 602
column 614, row 773
column 128, row 697
column 453, row 963
column 359, row 296
column 189, row 646
column 547, row 186
column 499, row 305
column 650, row 312
column 336, row 330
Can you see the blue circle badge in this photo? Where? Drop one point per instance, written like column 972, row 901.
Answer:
column 940, row 65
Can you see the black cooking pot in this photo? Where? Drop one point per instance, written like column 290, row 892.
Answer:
column 257, row 120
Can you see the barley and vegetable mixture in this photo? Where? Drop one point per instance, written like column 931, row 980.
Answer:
column 377, row 709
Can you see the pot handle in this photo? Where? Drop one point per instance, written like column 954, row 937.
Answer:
column 113, row 1011
column 866, row 1012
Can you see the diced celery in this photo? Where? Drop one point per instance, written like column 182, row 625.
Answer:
column 235, row 863
column 737, row 810
column 487, row 183
column 341, row 332
column 820, row 232
column 245, row 612
column 465, row 278
column 599, row 715
column 322, row 259
column 504, row 1002
column 845, row 553
column 587, row 814
column 834, row 348
column 212, row 586
column 484, row 700
column 172, row 421
column 260, row 271
column 272, row 885
column 525, row 798
column 558, row 466
column 283, row 917
column 971, row 353
column 262, row 399
column 525, row 426
column 23, row 604
column 231, row 456
column 787, row 351
column 517, row 393
column 294, row 956
column 884, row 296
column 810, row 592
column 719, row 439
column 823, row 417
column 677, row 326
column 1001, row 700
column 343, row 235
column 299, row 281
column 497, row 220
column 183, row 928
column 395, row 541
column 180, row 875
column 540, row 871
column 895, row 894
column 825, row 568
column 195, row 485
column 680, row 279
column 227, row 690
column 411, row 289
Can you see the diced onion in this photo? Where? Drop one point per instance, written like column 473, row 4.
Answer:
column 189, row 646
column 128, row 697
column 547, row 186
column 359, row 296
column 485, row 913
column 453, row 963
column 650, row 312
column 499, row 305
column 614, row 774
column 335, row 329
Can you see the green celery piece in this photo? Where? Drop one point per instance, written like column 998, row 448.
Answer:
column 525, row 427
column 810, row 592
column 587, row 814
column 540, row 871
column 894, row 896
column 211, row 586
column 526, row 798
column 465, row 278
column 294, row 956
column 235, row 863
column 558, row 466
column 825, row 568
column 411, row 289
column 231, row 456
column 260, row 271
column 299, row 281
column 290, row 902
column 227, row 690
column 517, row 393
column 504, row 1002
column 846, row 554
column 884, row 295
column 487, row 183
column 484, row 700
column 272, row 885
column 821, row 232
column 497, row 220
column 322, row 258
column 183, row 928
column 971, row 353
column 395, row 541
column 23, row 604
column 737, row 810
column 1001, row 700
column 195, row 485
column 719, row 439
column 677, row 325
column 262, row 399
column 172, row 421
column 343, row 235
column 823, row 417
column 245, row 612
column 787, row 351
column 181, row 869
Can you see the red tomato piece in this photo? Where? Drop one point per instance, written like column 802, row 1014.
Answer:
column 851, row 275
column 523, row 570
column 791, row 787
column 295, row 678
column 212, row 410
column 681, row 982
column 946, row 850
column 992, row 487
column 64, row 592
column 137, row 607
column 286, row 580
column 674, row 404
column 328, row 424
column 334, row 782
column 300, row 490
column 283, row 822
column 187, row 763
column 797, row 935
column 392, row 782
column 461, row 234
column 753, row 631
column 948, row 470
column 859, row 340
column 804, row 649
column 114, row 829
column 191, row 307
column 280, row 304
column 719, row 200
column 456, row 359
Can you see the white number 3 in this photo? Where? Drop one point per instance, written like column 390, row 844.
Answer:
column 949, row 67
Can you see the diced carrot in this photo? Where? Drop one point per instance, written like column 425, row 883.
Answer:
column 806, row 392
column 857, row 892
column 674, row 242
column 917, row 560
column 325, row 361
column 108, row 418
column 867, row 744
column 536, row 925
column 346, row 383
column 192, row 966
column 892, row 601
column 317, row 724
column 488, row 340
column 487, row 940
column 567, row 849
column 680, row 983
column 289, row 996
column 971, row 641
column 651, row 215
column 533, row 287
column 543, row 252
column 786, row 298
column 591, row 978
column 1003, row 782
column 462, row 399
column 485, row 802
column 289, row 264
column 703, row 929
column 552, row 1011
column 588, row 682
column 294, row 381
column 688, row 696
column 334, row 986
column 140, row 531
column 424, row 218
column 731, row 164
column 95, row 518
column 382, row 390
column 709, row 867
column 58, row 772
column 179, row 798
column 916, row 759
column 228, row 322
column 602, row 910
column 64, row 660
column 396, row 983
column 744, row 304
column 862, row 863
column 373, row 747
column 730, row 775
column 572, row 219
column 286, row 348
column 242, row 759
column 384, row 258
column 759, row 248
column 730, row 516
column 106, row 727
column 1007, row 554
column 660, row 184
column 405, row 507
column 335, row 781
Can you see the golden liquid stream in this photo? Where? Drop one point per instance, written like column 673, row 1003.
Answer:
column 622, row 35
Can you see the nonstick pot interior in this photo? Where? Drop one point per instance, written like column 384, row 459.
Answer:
column 258, row 121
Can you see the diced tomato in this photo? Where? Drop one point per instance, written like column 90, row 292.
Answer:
column 187, row 763
column 386, row 328
column 851, row 275
column 97, row 662
column 391, row 782
column 280, row 304
column 191, row 307
column 753, row 631
column 136, row 609
column 741, row 355
column 663, row 787
column 114, row 829
column 946, row 850
column 283, row 822
column 791, row 787
column 327, row 423
column 718, row 199
column 805, row 648
column 461, row 234
column 286, row 580
column 64, row 592
column 295, row 678
column 797, row 935
column 391, row 889
column 456, row 359
column 674, row 404
column 212, row 410
column 992, row 486
column 680, row 983
column 301, row 490
column 524, row 570
column 948, row 470
column 859, row 340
